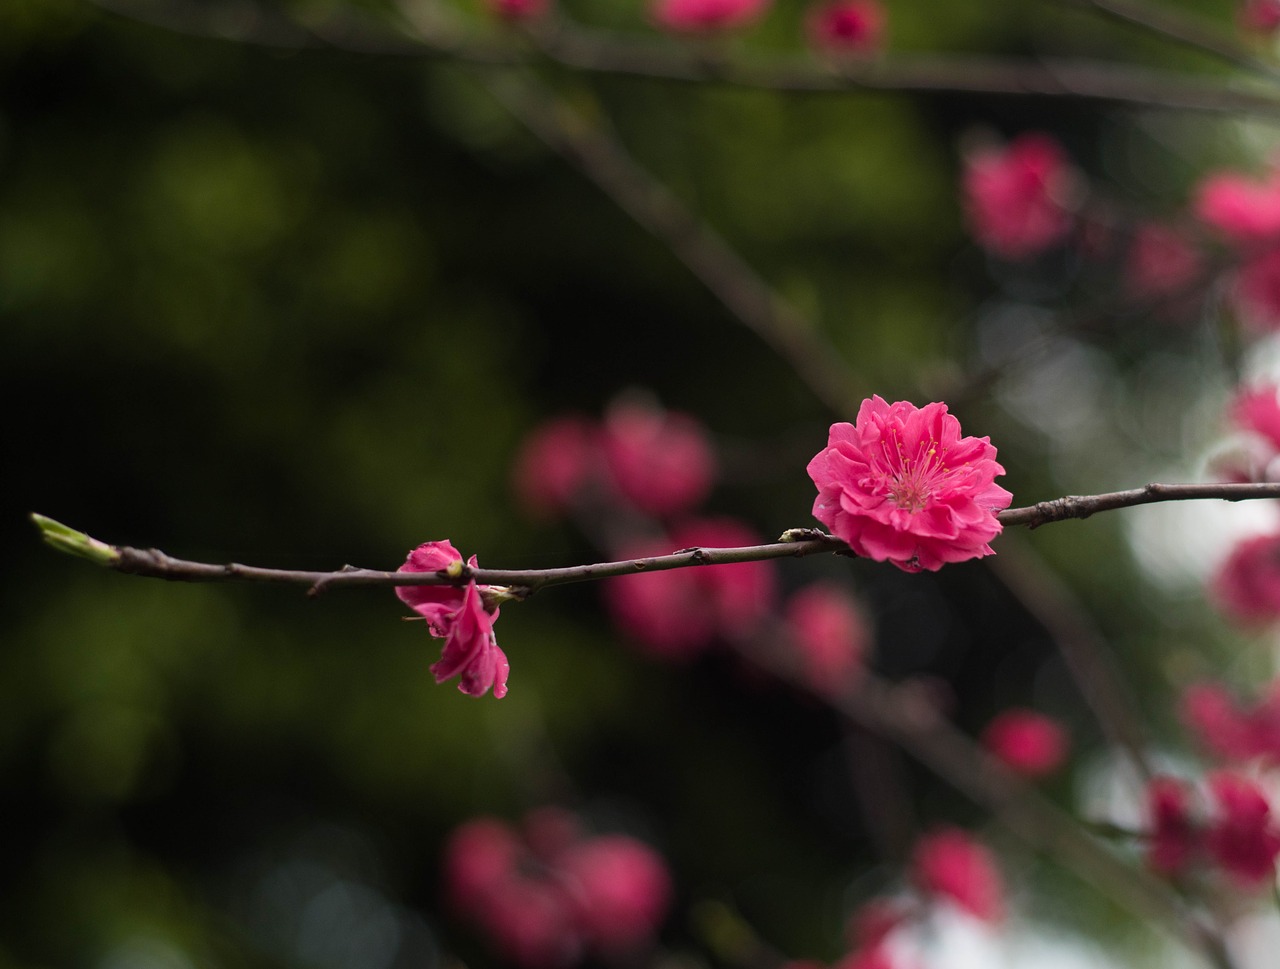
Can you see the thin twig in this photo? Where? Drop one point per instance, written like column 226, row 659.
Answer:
column 598, row 52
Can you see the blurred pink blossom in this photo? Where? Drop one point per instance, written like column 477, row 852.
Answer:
column 1257, row 290
column 847, row 26
column 1242, row 836
column 831, row 635
column 706, row 16
column 1247, row 585
column 1260, row 15
column 1173, row 839
column 678, row 613
column 1162, row 262
column 1231, row 729
column 546, row 902
column 1258, row 410
column 459, row 617
column 1244, row 210
column 556, row 462
column 1018, row 198
column 1027, row 742
column 517, row 11
column 901, row 485
column 951, row 865
column 662, row 461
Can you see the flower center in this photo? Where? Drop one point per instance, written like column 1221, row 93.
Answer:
column 918, row 473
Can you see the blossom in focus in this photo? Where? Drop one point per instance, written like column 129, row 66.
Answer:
column 1247, row 585
column 847, row 26
column 901, row 485
column 1173, row 839
column 677, row 613
column 950, row 865
column 662, row 461
column 1242, row 836
column 555, row 464
column 1262, row 16
column 1027, row 742
column 1017, row 198
column 517, row 11
column 459, row 617
column 553, row 894
column 706, row 16
column 1230, row 729
column 1244, row 211
column 830, row 634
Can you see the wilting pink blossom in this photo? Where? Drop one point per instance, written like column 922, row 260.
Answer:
column 901, row 485
column 847, row 26
column 620, row 890
column 1262, row 16
column 951, row 865
column 1257, row 291
column 1242, row 836
column 660, row 460
column 677, row 613
column 1027, row 742
column 517, row 11
column 460, row 618
column 1247, row 586
column 547, row 902
column 1173, row 839
column 556, row 463
column 706, row 16
column 1162, row 263
column 1244, row 210
column 1017, row 198
column 830, row 634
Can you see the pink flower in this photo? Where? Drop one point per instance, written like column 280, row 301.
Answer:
column 1257, row 291
column 1260, row 15
column 459, row 617
column 1258, row 410
column 620, row 890
column 1232, row 730
column 1242, row 838
column 1162, row 263
column 831, row 635
column 1247, row 586
column 951, row 865
column 556, row 463
column 518, row 11
column 1027, row 742
column 1244, row 210
column 660, row 460
column 1173, row 839
column 847, row 26
column 678, row 613
column 901, row 485
column 1016, row 198
column 549, row 899
column 706, row 16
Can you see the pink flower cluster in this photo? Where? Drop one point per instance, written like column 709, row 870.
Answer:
column 947, row 867
column 830, row 635
column 1237, row 834
column 551, row 894
column 658, row 462
column 1027, row 742
column 1245, row 212
column 678, row 613
column 1019, row 198
column 901, row 485
column 1231, row 729
column 460, row 617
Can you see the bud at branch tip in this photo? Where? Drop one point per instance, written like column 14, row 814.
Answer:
column 66, row 539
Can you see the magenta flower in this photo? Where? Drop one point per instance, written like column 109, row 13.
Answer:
column 1247, row 586
column 557, row 462
column 1262, row 16
column 1257, row 291
column 902, row 486
column 1233, row 730
column 459, row 617
column 620, row 889
column 660, row 460
column 1173, row 839
column 706, row 16
column 1243, row 837
column 950, row 865
column 847, row 26
column 517, row 11
column 1027, row 742
column 1245, row 211
column 1017, row 198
